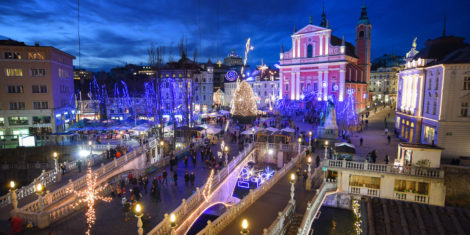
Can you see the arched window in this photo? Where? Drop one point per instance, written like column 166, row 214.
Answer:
column 361, row 34
column 309, row 51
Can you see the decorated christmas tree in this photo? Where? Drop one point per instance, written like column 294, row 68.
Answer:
column 244, row 103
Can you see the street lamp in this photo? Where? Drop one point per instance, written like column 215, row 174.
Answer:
column 56, row 162
column 300, row 142
column 292, row 188
column 138, row 213
column 173, row 223
column 310, row 138
column 309, row 161
column 253, row 133
column 326, row 147
column 244, row 227
column 14, row 197
column 40, row 191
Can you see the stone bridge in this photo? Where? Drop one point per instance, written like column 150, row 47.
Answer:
column 54, row 205
column 217, row 190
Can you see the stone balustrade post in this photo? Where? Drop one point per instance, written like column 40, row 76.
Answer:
column 115, row 162
column 43, row 220
column 389, row 168
column 48, row 198
column 166, row 221
column 210, row 227
column 366, row 164
column 343, row 163
column 198, row 193
column 102, row 168
column 125, row 157
column 185, row 206
column 265, row 231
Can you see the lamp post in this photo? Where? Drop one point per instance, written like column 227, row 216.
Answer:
column 326, row 147
column 292, row 188
column 308, row 184
column 310, row 139
column 253, row 134
column 56, row 162
column 300, row 142
column 40, row 191
column 14, row 197
column 173, row 224
column 138, row 213
column 245, row 230
column 162, row 143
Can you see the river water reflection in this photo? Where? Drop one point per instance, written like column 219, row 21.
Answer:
column 334, row 221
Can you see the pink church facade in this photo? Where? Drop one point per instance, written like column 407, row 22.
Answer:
column 324, row 64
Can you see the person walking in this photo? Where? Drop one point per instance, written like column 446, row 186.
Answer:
column 387, row 160
column 194, row 160
column 146, row 183
column 185, row 161
column 389, row 139
column 361, row 140
column 175, row 178
column 317, row 161
column 192, row 178
column 79, row 166
column 165, row 176
column 305, row 176
column 186, row 178
column 62, row 166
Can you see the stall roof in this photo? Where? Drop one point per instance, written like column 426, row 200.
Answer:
column 345, row 148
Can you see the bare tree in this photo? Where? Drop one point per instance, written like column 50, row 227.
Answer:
column 155, row 60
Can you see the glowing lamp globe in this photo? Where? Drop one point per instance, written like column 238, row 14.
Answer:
column 83, row 153
column 292, row 177
column 245, row 224
column 12, row 184
column 309, row 159
column 39, row 187
column 172, row 218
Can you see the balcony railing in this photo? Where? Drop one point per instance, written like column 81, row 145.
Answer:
column 384, row 168
column 413, row 197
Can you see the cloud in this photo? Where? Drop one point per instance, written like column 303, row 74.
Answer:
column 114, row 32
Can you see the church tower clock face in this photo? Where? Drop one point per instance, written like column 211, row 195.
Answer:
column 231, row 75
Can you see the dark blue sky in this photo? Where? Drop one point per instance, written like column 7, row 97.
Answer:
column 115, row 32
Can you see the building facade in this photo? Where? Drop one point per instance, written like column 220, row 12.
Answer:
column 434, row 95
column 383, row 85
column 326, row 65
column 37, row 86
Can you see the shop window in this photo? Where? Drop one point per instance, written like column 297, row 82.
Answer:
column 364, row 181
column 464, row 109
column 406, row 186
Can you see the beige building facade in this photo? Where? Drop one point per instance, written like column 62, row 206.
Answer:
column 37, row 91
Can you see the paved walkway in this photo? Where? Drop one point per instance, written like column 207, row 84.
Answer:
column 110, row 216
column 264, row 211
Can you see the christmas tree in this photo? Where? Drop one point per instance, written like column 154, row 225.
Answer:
column 244, row 104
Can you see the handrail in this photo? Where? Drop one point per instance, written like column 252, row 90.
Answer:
column 195, row 199
column 386, row 168
column 80, row 183
column 314, row 206
column 226, row 218
column 284, row 218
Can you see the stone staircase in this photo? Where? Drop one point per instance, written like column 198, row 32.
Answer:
column 294, row 225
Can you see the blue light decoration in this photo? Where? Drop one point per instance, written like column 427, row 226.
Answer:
column 346, row 111
column 231, row 75
column 250, row 176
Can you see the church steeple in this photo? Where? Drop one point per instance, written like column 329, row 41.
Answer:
column 295, row 29
column 311, row 20
column 364, row 19
column 323, row 22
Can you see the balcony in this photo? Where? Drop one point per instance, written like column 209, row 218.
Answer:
column 383, row 168
column 372, row 192
column 412, row 197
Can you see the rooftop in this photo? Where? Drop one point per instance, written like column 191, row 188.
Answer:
column 423, row 146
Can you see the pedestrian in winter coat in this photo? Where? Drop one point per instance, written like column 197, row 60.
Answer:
column 317, row 161
column 165, row 175
column 186, row 177
column 175, row 178
column 192, row 178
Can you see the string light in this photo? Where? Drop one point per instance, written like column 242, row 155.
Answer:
column 89, row 196
column 357, row 216
column 244, row 101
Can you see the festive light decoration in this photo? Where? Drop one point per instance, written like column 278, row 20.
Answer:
column 89, row 196
column 231, row 75
column 248, row 48
column 357, row 216
column 207, row 189
column 258, row 177
column 244, row 101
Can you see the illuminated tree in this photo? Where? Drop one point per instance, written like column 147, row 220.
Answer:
column 244, row 103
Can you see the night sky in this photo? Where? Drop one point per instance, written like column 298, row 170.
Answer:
column 116, row 32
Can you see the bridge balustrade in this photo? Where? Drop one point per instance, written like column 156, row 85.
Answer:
column 225, row 219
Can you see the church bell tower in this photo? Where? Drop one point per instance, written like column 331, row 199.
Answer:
column 363, row 30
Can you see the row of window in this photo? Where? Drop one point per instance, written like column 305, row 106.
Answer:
column 463, row 108
column 14, row 55
column 20, row 89
column 14, row 72
column 14, row 121
column 21, row 105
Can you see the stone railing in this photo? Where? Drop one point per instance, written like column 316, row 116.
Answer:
column 187, row 206
column 412, row 197
column 282, row 147
column 284, row 218
column 46, row 178
column 63, row 192
column 328, row 187
column 383, row 168
column 225, row 219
